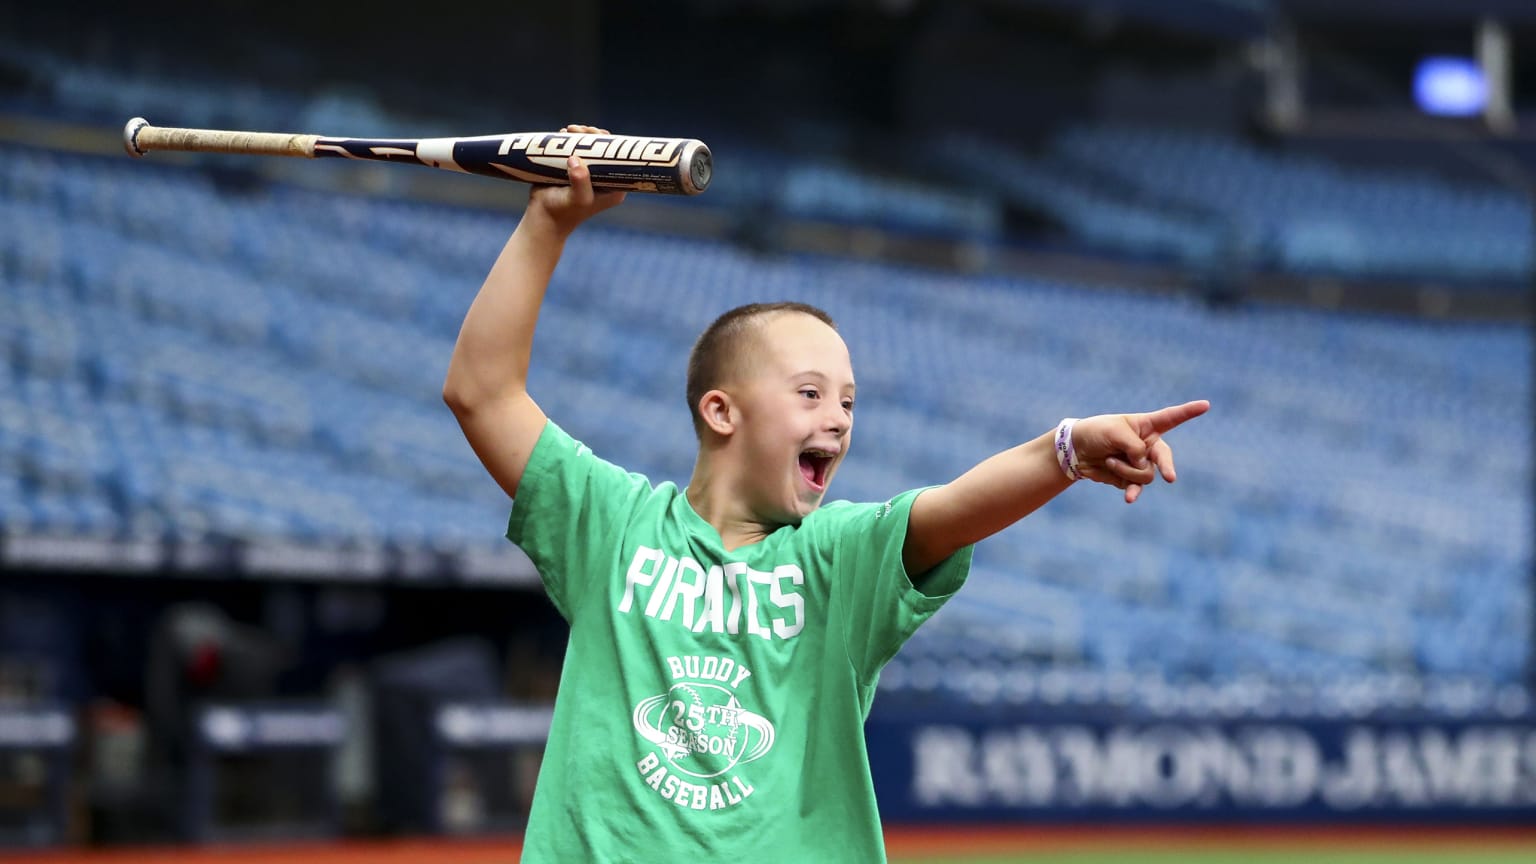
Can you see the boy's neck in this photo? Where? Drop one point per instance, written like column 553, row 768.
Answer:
column 710, row 494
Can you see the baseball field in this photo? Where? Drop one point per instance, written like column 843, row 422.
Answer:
column 1214, row 846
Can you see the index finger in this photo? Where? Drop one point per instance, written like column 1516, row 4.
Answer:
column 1160, row 421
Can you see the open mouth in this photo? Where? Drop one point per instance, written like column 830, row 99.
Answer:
column 814, row 465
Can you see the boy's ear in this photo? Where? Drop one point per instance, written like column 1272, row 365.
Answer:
column 718, row 413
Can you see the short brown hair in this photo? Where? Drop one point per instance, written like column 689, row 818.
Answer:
column 710, row 362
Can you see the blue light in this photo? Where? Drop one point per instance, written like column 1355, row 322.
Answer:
column 1450, row 86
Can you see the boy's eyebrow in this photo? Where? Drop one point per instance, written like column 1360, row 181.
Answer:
column 822, row 375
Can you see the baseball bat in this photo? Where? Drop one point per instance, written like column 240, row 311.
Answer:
column 669, row 166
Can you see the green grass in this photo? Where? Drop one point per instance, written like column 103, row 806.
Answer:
column 1504, row 855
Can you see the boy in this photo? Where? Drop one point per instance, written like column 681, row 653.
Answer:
column 726, row 638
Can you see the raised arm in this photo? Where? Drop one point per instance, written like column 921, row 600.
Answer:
column 487, row 382
column 1122, row 450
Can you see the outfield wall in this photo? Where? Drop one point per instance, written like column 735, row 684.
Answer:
column 1106, row 768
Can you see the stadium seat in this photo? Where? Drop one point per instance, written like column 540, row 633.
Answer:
column 243, row 377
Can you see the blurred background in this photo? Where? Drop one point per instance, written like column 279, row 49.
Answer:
column 252, row 580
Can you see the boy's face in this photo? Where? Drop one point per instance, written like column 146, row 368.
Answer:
column 796, row 407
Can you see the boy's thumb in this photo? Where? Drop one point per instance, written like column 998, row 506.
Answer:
column 580, row 178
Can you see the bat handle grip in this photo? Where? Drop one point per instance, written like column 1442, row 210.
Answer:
column 139, row 138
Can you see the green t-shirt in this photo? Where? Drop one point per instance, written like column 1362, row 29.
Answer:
column 712, row 703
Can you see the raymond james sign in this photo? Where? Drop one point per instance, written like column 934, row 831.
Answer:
column 936, row 769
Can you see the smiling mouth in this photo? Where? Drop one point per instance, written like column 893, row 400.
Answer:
column 813, row 467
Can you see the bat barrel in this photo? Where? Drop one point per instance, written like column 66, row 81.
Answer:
column 668, row 166
column 636, row 163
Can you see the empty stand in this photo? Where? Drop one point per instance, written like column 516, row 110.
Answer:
column 239, row 365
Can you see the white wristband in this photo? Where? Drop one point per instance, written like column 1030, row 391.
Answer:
column 1066, row 454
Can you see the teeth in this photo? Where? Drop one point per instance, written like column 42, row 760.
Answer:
column 824, row 454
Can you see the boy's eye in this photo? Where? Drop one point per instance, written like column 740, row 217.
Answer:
column 848, row 405
column 810, row 393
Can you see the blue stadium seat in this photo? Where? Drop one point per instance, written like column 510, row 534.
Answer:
column 242, row 376
column 1316, row 217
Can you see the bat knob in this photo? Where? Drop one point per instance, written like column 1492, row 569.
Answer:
column 131, row 136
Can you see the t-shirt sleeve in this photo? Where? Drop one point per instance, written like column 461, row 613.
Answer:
column 881, row 606
column 570, row 514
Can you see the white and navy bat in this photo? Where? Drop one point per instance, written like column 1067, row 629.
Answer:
column 670, row 166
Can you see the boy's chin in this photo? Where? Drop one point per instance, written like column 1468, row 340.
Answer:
column 803, row 506
column 809, row 502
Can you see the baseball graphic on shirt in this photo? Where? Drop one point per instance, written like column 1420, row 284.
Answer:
column 703, row 729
